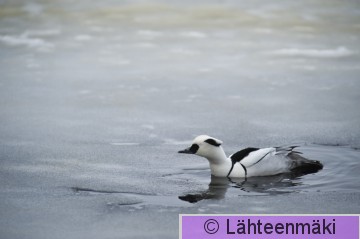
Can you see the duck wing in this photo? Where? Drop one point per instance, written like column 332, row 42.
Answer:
column 251, row 156
column 286, row 150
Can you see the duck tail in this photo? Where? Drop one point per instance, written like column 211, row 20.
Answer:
column 302, row 165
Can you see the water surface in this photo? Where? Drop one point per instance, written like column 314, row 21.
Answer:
column 97, row 98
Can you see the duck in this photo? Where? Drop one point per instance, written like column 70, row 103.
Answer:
column 251, row 161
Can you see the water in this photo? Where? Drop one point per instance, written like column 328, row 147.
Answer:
column 97, row 98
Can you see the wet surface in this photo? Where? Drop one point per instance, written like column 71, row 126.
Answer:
column 97, row 99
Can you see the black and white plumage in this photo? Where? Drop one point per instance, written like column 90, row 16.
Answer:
column 250, row 162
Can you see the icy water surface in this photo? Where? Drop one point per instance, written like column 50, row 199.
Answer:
column 96, row 99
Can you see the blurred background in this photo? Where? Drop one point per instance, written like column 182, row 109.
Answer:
column 96, row 98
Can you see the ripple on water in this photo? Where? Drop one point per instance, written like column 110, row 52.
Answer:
column 319, row 53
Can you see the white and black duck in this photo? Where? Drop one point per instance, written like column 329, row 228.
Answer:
column 250, row 162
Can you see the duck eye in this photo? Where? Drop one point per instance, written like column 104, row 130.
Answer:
column 194, row 148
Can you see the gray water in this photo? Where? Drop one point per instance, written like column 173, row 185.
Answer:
column 97, row 98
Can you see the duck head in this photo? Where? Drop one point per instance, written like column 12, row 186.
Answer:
column 208, row 147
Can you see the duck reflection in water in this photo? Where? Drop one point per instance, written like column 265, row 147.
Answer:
column 268, row 185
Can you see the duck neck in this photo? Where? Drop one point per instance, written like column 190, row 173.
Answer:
column 219, row 163
column 218, row 157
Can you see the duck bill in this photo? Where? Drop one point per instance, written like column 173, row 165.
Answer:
column 186, row 151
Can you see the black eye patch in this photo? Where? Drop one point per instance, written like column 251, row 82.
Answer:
column 212, row 142
column 194, row 148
